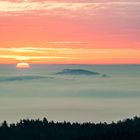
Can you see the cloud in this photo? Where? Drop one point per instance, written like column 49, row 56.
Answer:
column 6, row 6
column 31, row 53
column 82, row 9
column 69, row 55
column 93, row 1
column 67, row 8
column 22, row 78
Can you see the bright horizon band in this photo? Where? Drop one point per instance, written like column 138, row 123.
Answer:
column 69, row 55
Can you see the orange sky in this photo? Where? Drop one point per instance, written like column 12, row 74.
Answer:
column 80, row 31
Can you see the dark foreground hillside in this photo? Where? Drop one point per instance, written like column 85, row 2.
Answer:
column 128, row 129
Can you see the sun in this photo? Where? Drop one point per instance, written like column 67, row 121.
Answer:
column 22, row 65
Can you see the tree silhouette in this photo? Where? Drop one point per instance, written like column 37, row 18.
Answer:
column 128, row 129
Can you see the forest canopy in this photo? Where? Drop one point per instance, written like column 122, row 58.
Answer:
column 128, row 129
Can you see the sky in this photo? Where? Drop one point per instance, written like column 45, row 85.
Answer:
column 70, row 31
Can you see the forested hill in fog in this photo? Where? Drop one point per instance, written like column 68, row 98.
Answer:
column 128, row 129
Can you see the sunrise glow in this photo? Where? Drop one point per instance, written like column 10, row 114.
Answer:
column 69, row 32
column 22, row 65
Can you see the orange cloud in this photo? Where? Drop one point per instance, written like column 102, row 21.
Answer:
column 69, row 55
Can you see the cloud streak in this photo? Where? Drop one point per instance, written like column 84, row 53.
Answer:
column 90, row 8
column 69, row 55
column 22, row 78
column 28, row 6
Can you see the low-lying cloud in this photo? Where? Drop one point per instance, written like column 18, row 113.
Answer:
column 22, row 78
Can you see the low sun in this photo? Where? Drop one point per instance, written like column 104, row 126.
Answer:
column 22, row 65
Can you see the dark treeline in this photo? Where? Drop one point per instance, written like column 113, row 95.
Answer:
column 128, row 129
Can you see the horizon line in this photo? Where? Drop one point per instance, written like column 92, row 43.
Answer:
column 72, row 64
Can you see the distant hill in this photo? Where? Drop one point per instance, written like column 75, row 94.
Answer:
column 77, row 72
column 128, row 129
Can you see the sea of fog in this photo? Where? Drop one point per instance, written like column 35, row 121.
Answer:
column 40, row 92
